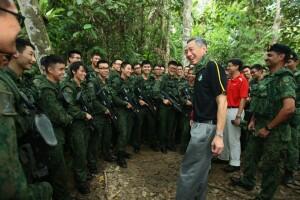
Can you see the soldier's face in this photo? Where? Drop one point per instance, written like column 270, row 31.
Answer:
column 74, row 58
column 191, row 76
column 273, row 58
column 292, row 64
column 117, row 65
column 194, row 52
column 127, row 70
column 9, row 30
column 57, row 71
column 137, row 69
column 147, row 69
column 80, row 74
column 103, row 70
column 179, row 72
column 95, row 59
column 157, row 70
column 256, row 73
column 26, row 58
column 172, row 69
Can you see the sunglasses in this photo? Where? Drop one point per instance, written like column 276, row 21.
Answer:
column 19, row 17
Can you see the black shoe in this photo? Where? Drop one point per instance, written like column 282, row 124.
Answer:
column 122, row 162
column 230, row 168
column 237, row 182
column 154, row 148
column 288, row 178
column 109, row 158
column 126, row 155
column 83, row 188
column 172, row 148
column 164, row 150
column 136, row 149
column 219, row 161
column 89, row 176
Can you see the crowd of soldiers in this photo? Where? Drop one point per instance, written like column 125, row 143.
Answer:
column 96, row 111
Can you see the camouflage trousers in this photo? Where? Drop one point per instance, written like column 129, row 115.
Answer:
column 58, row 169
column 291, row 163
column 125, row 128
column 184, row 129
column 100, row 140
column 270, row 151
column 145, row 128
column 167, row 125
column 79, row 136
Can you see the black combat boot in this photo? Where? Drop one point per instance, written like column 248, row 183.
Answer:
column 83, row 188
column 121, row 160
column 288, row 177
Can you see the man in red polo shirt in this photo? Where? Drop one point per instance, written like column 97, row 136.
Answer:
column 237, row 93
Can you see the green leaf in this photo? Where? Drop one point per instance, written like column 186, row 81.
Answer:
column 79, row 2
column 87, row 26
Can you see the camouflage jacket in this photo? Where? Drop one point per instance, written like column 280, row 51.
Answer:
column 51, row 103
column 77, row 99
column 120, row 85
column 169, row 84
column 267, row 101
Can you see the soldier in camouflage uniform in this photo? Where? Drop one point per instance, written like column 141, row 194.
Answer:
column 115, row 70
column 51, row 103
column 125, row 108
column 13, row 180
column 272, row 106
column 147, row 115
column 75, row 94
column 291, row 164
column 187, row 91
column 167, row 113
column 91, row 68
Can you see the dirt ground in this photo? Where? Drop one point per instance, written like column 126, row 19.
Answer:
column 153, row 175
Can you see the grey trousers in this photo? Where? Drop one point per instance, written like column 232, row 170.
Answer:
column 192, row 181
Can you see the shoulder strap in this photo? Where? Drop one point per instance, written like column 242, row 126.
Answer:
column 219, row 76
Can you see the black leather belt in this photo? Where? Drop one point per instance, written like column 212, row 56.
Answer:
column 208, row 122
column 232, row 107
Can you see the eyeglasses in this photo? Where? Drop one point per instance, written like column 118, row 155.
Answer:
column 103, row 68
column 19, row 17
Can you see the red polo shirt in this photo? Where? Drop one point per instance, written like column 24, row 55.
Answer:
column 237, row 89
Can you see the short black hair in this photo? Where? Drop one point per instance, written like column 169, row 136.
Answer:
column 172, row 62
column 48, row 61
column 75, row 66
column 282, row 49
column 136, row 64
column 236, row 61
column 101, row 62
column 179, row 64
column 257, row 67
column 124, row 64
column 21, row 44
column 70, row 53
column 146, row 62
column 95, row 54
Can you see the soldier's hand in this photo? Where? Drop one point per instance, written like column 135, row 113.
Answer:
column 217, row 145
column 129, row 106
column 88, row 116
column 251, row 125
column 166, row 102
column 142, row 103
column 107, row 112
column 189, row 103
column 263, row 132
column 236, row 121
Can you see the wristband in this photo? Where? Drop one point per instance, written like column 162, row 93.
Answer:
column 238, row 116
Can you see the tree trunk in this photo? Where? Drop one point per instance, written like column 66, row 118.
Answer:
column 187, row 26
column 35, row 28
column 277, row 22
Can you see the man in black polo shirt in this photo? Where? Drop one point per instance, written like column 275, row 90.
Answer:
column 207, row 125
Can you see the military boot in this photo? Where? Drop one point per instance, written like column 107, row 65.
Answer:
column 121, row 160
column 288, row 177
column 83, row 188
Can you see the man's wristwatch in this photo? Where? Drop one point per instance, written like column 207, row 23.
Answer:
column 238, row 116
column 219, row 134
column 267, row 128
